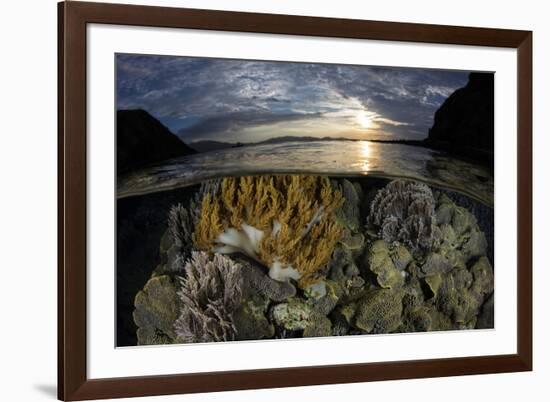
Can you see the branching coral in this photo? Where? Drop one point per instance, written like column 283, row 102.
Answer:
column 403, row 211
column 180, row 227
column 208, row 187
column 286, row 222
column 210, row 294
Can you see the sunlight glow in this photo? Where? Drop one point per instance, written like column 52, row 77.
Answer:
column 364, row 120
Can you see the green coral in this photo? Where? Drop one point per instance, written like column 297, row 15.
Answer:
column 318, row 325
column 349, row 214
column 156, row 310
column 293, row 315
column 379, row 312
column 379, row 262
column 343, row 318
column 325, row 304
column 483, row 276
column 250, row 320
column 301, row 315
column 460, row 239
column 400, row 256
column 417, row 320
column 460, row 294
column 344, row 272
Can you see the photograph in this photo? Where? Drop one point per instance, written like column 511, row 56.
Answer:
column 263, row 200
column 275, row 201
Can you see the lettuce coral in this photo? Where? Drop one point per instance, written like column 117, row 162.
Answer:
column 379, row 262
column 285, row 222
column 156, row 309
column 379, row 312
column 404, row 211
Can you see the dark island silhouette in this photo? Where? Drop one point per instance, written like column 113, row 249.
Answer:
column 464, row 124
column 142, row 139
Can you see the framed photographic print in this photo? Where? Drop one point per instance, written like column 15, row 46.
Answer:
column 253, row 200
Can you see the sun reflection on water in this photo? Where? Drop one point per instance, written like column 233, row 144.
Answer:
column 365, row 155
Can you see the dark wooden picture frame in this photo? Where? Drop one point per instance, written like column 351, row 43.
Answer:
column 73, row 17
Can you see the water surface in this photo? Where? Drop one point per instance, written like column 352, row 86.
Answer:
column 334, row 158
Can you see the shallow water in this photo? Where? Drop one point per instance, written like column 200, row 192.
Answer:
column 144, row 254
column 334, row 158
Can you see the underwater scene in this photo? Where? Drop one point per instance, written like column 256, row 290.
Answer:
column 376, row 219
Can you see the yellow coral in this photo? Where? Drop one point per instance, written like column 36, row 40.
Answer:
column 292, row 217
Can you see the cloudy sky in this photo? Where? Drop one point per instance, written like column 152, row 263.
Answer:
column 248, row 101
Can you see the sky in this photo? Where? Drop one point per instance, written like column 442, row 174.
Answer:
column 250, row 101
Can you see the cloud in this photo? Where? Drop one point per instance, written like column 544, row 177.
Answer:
column 224, row 124
column 205, row 97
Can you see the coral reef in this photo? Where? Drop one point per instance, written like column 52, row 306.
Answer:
column 285, row 222
column 251, row 322
column 403, row 211
column 293, row 314
column 349, row 215
column 209, row 188
column 210, row 293
column 156, row 310
column 379, row 312
column 258, row 282
column 180, row 228
column 281, row 256
column 298, row 315
column 379, row 261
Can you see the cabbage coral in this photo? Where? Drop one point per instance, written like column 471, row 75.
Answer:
column 210, row 293
column 286, row 222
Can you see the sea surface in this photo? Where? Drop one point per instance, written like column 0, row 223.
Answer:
column 333, row 158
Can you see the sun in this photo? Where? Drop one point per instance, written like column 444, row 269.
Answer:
column 364, row 120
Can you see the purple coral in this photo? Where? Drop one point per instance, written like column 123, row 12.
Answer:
column 210, row 293
column 180, row 230
column 180, row 226
column 404, row 211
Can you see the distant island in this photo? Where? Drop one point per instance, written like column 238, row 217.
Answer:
column 210, row 145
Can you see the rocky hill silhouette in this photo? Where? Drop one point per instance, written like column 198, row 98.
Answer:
column 464, row 124
column 142, row 139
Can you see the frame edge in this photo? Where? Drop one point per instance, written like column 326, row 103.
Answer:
column 60, row 203
column 525, row 199
column 72, row 380
column 71, row 200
